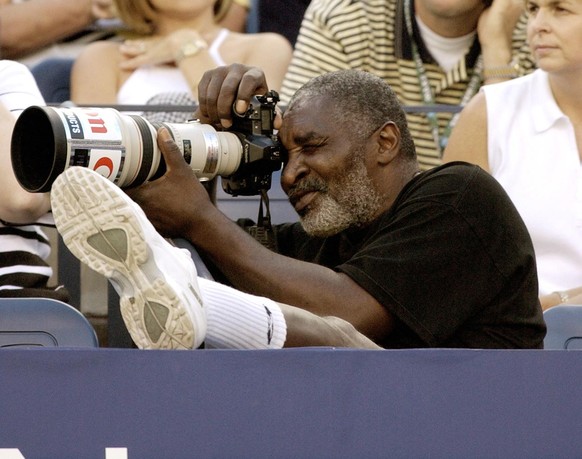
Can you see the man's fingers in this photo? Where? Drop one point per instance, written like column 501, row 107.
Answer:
column 170, row 151
column 252, row 83
column 241, row 106
column 221, row 88
column 211, row 95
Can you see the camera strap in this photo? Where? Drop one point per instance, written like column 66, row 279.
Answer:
column 263, row 230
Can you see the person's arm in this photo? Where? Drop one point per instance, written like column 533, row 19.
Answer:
column 95, row 76
column 468, row 141
column 27, row 26
column 571, row 296
column 495, row 30
column 307, row 329
column 247, row 264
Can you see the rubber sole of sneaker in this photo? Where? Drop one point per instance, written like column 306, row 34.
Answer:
column 100, row 228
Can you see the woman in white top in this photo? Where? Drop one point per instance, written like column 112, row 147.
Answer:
column 178, row 42
column 528, row 133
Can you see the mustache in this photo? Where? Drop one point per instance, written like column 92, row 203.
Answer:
column 307, row 185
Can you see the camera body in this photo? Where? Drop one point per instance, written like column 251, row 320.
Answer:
column 123, row 148
column 261, row 154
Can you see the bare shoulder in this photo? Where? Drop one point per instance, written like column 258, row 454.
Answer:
column 270, row 37
column 473, row 118
column 100, row 56
column 477, row 107
column 264, row 40
column 468, row 141
column 96, row 74
column 99, row 48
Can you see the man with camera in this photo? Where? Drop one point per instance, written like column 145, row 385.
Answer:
column 384, row 255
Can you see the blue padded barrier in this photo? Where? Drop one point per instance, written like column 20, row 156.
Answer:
column 300, row 404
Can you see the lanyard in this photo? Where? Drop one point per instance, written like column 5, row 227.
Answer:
column 426, row 91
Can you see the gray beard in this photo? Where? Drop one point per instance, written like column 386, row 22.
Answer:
column 350, row 201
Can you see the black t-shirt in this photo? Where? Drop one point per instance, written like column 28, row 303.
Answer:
column 451, row 260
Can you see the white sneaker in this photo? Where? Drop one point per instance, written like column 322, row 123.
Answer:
column 157, row 283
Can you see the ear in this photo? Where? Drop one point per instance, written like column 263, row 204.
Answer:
column 388, row 142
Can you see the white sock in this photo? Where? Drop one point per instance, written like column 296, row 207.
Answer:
column 238, row 320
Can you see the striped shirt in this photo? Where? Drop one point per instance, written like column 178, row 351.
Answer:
column 371, row 35
column 23, row 251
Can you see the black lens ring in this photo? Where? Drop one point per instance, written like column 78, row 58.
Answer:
column 148, row 150
column 31, row 121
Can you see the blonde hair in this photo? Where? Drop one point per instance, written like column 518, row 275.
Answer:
column 139, row 15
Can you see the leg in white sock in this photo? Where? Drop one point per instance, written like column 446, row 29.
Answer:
column 238, row 320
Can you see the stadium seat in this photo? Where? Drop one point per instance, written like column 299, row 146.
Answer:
column 43, row 322
column 564, row 324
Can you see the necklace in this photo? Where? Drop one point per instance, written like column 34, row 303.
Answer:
column 426, row 90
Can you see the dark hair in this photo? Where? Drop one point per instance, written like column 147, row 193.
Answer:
column 362, row 99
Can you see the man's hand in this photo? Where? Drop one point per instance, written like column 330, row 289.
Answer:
column 177, row 201
column 226, row 87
